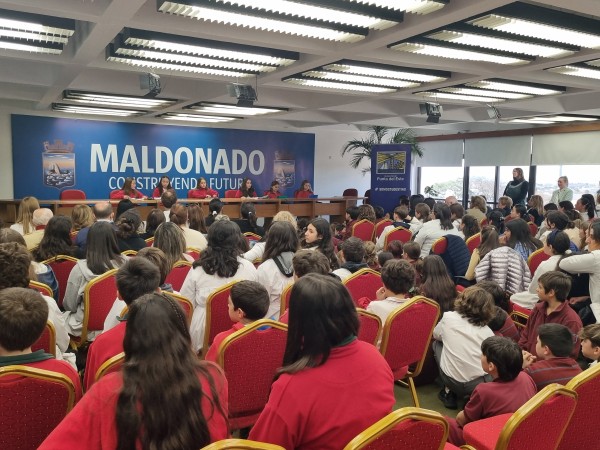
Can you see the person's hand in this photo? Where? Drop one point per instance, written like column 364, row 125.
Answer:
column 528, row 359
column 208, row 196
column 380, row 294
column 502, row 239
column 126, row 197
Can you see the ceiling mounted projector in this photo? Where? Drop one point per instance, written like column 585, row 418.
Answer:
column 245, row 94
column 151, row 83
column 433, row 111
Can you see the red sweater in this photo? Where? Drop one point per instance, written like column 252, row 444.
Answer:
column 270, row 194
column 107, row 345
column 202, row 193
column 211, row 354
column 301, row 193
column 327, row 406
column 120, row 194
column 91, row 424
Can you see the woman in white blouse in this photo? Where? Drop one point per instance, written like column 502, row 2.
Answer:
column 431, row 231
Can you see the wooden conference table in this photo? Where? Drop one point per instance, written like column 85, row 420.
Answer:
column 310, row 207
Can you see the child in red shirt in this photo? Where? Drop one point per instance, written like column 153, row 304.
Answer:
column 248, row 302
column 273, row 192
column 590, row 342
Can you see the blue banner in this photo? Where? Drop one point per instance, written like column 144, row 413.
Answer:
column 390, row 174
column 53, row 154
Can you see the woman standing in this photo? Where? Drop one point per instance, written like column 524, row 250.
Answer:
column 517, row 188
column 164, row 184
column 202, row 190
column 308, row 405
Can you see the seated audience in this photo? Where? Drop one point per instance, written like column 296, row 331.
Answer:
column 163, row 397
column 519, row 212
column 371, row 256
column 551, row 362
column 422, row 213
column 81, row 217
column 558, row 220
column 40, row 219
column 318, row 237
column 536, row 209
column 102, row 212
column 352, row 258
column 586, row 206
column 214, row 208
column 196, row 218
column 218, row 265
column 154, row 219
column 435, row 229
column 247, row 223
column 258, row 249
column 351, row 219
column 248, row 302
column 383, row 257
column 123, row 206
column 518, row 237
column 400, row 220
column 56, row 240
column 202, row 190
column 436, row 284
column 501, row 359
column 127, row 191
column 501, row 324
column 127, row 236
column 553, row 307
column 308, row 406
column 469, row 226
column 458, row 337
column 308, row 261
column 168, row 199
column 304, row 191
column 23, row 317
column 478, row 208
column 590, row 342
column 457, row 213
column 24, row 224
column 396, row 248
column 193, row 238
column 412, row 254
column 170, row 239
column 505, row 205
column 135, row 278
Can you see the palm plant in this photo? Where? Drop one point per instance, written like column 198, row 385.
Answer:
column 361, row 148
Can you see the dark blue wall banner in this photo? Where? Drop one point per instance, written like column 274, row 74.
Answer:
column 53, row 154
column 390, row 174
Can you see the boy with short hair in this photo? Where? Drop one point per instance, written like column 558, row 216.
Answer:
column 505, row 204
column 135, row 278
column 552, row 363
column 248, row 302
column 511, row 388
column 422, row 212
column 553, row 288
column 308, row 261
column 353, row 255
column 400, row 220
column 590, row 342
column 23, row 317
column 351, row 216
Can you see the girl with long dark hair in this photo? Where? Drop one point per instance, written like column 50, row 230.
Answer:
column 436, row 228
column 163, row 397
column 170, row 239
column 219, row 264
column 102, row 255
column 276, row 270
column 56, row 241
column 273, row 191
column 318, row 237
column 164, row 184
column 154, row 219
column 518, row 237
column 247, row 222
column 437, row 284
column 469, row 226
column 202, row 190
column 246, row 189
column 586, row 207
column 127, row 191
column 324, row 361
column 214, row 207
column 196, row 218
column 490, row 240
column 304, row 191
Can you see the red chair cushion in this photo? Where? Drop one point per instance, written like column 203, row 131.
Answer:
column 483, row 434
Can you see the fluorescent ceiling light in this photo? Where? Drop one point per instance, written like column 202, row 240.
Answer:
column 456, row 53
column 497, row 43
column 34, row 27
column 33, row 36
column 223, row 108
column 577, row 71
column 96, row 111
column 515, row 87
column 531, row 122
column 197, row 118
column 338, row 86
column 468, row 98
column 100, row 99
column 531, row 28
column 411, row 6
column 480, row 92
column 33, row 48
column 594, row 62
column 570, row 118
column 400, row 74
column 359, row 79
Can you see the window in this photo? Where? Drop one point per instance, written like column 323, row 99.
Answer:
column 582, row 179
column 441, row 182
column 482, row 180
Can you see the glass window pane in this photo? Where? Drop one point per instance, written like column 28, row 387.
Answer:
column 441, row 182
column 481, row 182
column 582, row 179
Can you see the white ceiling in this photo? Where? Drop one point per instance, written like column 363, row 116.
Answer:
column 30, row 83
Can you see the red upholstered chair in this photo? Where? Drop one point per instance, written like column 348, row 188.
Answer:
column 129, row 253
column 241, row 444
column 185, row 303
column 379, row 227
column 364, row 229
column 41, row 287
column 539, row 423
column 585, row 417
column 459, row 288
column 483, row 222
column 177, row 275
column 217, row 314
column 351, row 192
column 150, row 241
column 285, row 299
column 61, row 265
column 363, row 283
column 406, row 337
column 439, row 246
column 193, row 252
column 473, row 242
column 47, row 341
column 252, row 237
column 397, row 234
column 230, row 193
column 535, row 259
column 72, row 194
column 98, row 297
column 370, row 326
column 109, row 366
column 405, row 428
column 533, row 228
column 32, row 403
column 250, row 358
column 73, row 235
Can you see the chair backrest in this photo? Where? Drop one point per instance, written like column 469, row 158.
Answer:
column 32, row 403
column 533, row 228
column 535, row 259
column 370, row 326
column 130, row 253
column 473, row 242
column 585, row 417
column 217, row 314
column 230, row 193
column 72, row 194
column 413, row 322
column 364, row 229
column 62, row 266
column 109, row 366
column 41, row 287
column 250, row 358
column 47, row 341
column 241, row 444
column 350, row 192
column 193, row 252
column 150, row 241
column 483, row 222
column 381, row 226
column 98, row 297
column 554, row 405
column 397, row 234
column 405, row 428
column 252, row 237
column 177, row 275
column 285, row 299
column 440, row 246
column 363, row 283
column 185, row 303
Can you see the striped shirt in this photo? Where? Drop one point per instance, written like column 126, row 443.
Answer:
column 553, row 370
